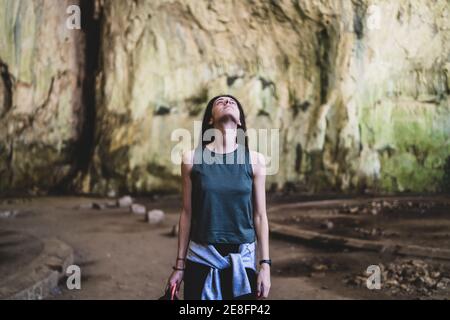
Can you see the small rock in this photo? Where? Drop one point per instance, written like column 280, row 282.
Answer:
column 317, row 275
column 111, row 204
column 155, row 216
column 410, row 277
column 5, row 214
column 8, row 214
column 441, row 285
column 111, row 194
column 319, row 267
column 85, row 206
column 328, row 225
column 175, row 230
column 138, row 209
column 353, row 210
column 125, row 202
column 98, row 206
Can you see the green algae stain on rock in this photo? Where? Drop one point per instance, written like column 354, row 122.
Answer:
column 417, row 137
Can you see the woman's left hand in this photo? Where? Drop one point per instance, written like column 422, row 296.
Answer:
column 263, row 282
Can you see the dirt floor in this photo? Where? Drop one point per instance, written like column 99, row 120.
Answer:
column 424, row 222
column 123, row 257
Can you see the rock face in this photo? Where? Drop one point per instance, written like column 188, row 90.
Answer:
column 358, row 89
column 41, row 68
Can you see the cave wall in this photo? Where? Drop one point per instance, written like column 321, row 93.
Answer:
column 41, row 66
column 359, row 90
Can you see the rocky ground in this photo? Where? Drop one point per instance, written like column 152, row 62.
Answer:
column 127, row 253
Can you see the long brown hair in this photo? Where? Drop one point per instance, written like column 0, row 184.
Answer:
column 208, row 114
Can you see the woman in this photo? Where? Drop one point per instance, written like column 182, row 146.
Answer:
column 223, row 224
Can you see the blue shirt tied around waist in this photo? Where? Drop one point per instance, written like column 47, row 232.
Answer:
column 208, row 255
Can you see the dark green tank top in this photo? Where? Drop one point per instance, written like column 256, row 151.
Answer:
column 222, row 188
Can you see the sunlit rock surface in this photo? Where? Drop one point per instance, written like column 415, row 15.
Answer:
column 358, row 89
column 41, row 67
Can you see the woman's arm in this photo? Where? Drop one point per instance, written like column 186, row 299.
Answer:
column 185, row 216
column 184, row 222
column 261, row 221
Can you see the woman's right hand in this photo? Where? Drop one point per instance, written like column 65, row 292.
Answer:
column 175, row 279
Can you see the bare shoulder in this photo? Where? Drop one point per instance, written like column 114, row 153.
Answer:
column 187, row 159
column 258, row 161
column 257, row 157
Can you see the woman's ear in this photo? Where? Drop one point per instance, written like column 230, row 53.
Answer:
column 210, row 120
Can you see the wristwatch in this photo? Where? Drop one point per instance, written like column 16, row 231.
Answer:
column 268, row 261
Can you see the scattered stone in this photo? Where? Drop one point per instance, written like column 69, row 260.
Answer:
column 155, row 216
column 374, row 232
column 98, row 206
column 8, row 214
column 111, row 194
column 124, row 202
column 327, row 225
column 175, row 230
column 317, row 274
column 408, row 277
column 111, row 204
column 345, row 208
column 444, row 283
column 388, row 206
column 319, row 267
column 138, row 209
column 353, row 210
column 85, row 206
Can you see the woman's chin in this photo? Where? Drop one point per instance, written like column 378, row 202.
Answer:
column 228, row 118
column 229, row 115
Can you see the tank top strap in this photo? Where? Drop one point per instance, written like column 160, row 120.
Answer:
column 198, row 155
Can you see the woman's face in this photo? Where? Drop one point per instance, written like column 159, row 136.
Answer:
column 225, row 106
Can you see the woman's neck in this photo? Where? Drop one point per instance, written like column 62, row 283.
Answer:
column 226, row 143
